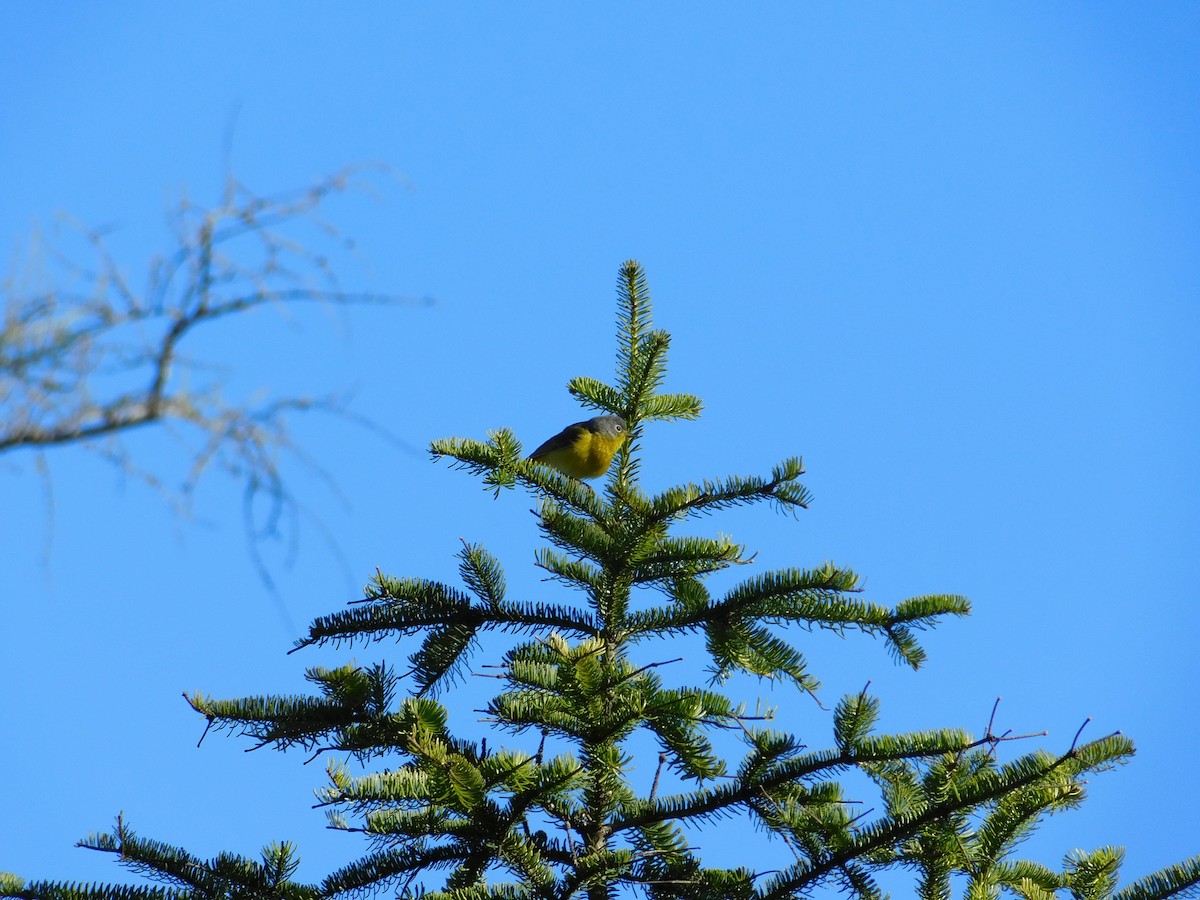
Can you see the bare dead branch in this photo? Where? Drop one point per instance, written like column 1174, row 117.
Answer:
column 87, row 358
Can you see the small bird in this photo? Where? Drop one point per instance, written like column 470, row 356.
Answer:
column 585, row 449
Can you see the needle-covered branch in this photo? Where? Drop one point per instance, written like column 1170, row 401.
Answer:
column 499, row 463
column 781, row 488
column 180, row 874
column 448, row 619
column 977, row 789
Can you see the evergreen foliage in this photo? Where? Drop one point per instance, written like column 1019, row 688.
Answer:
column 555, row 812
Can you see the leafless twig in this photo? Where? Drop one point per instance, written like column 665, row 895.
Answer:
column 87, row 358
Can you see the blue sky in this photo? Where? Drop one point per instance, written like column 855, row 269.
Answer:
column 945, row 252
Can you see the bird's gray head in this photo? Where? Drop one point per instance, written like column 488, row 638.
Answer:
column 609, row 426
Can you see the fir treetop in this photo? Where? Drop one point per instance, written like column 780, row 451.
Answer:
column 547, row 806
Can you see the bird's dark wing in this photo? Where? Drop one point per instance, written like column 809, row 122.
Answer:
column 564, row 438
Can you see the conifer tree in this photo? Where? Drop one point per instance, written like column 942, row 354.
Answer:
column 548, row 807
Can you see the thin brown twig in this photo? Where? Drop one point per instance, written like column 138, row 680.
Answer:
column 91, row 366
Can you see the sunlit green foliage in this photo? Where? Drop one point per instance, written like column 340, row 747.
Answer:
column 550, row 807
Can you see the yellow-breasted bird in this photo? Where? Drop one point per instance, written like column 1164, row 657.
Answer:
column 585, row 449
